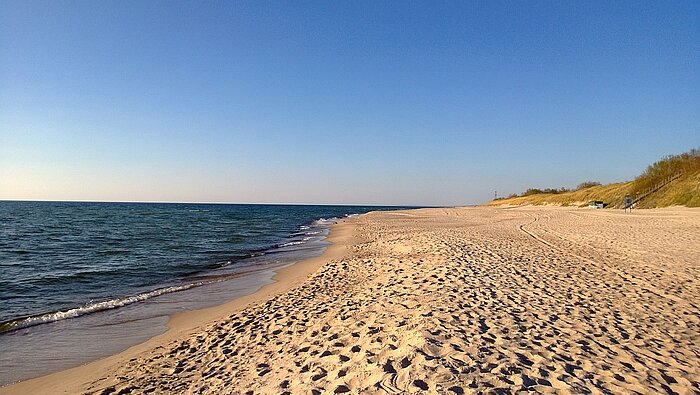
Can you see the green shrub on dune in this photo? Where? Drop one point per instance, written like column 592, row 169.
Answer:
column 682, row 170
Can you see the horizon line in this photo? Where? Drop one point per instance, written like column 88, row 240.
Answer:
column 219, row 203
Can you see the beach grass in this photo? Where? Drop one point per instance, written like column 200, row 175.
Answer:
column 682, row 191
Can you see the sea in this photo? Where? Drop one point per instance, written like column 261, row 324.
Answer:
column 83, row 280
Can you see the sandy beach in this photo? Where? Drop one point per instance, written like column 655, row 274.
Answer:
column 463, row 300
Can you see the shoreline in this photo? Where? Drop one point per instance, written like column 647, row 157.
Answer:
column 75, row 379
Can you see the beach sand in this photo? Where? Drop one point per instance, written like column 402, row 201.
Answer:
column 461, row 300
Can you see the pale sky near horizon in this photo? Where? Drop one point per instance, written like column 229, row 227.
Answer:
column 360, row 102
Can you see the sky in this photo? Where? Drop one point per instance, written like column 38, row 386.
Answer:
column 376, row 102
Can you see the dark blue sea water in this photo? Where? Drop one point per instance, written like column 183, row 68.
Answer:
column 74, row 266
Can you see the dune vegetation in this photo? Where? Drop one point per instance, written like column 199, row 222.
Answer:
column 672, row 181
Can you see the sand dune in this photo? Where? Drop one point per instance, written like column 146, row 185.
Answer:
column 462, row 300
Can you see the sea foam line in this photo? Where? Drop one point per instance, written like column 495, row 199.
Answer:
column 91, row 307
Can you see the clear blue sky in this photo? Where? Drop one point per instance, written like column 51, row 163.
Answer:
column 432, row 103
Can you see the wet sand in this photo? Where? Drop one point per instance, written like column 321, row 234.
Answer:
column 461, row 300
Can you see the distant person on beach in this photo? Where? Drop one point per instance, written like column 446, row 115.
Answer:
column 628, row 203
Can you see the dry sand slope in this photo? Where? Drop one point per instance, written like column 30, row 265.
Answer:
column 464, row 301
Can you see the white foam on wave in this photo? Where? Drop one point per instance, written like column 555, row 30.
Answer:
column 291, row 243
column 311, row 231
column 324, row 221
column 94, row 307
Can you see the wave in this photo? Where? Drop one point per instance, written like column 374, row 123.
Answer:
column 92, row 307
column 297, row 242
column 291, row 243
